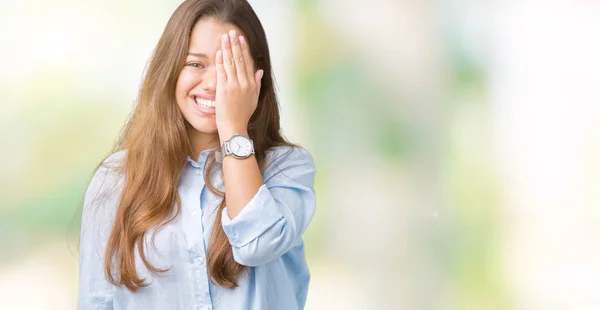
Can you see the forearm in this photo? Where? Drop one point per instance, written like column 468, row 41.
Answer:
column 242, row 178
column 273, row 220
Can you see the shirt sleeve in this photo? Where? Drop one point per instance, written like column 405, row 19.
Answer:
column 95, row 292
column 274, row 220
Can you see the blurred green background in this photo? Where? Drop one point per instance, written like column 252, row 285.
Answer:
column 456, row 143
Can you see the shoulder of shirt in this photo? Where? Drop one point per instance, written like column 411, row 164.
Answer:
column 280, row 157
column 288, row 152
column 108, row 175
column 116, row 158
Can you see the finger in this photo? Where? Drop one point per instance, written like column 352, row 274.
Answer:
column 258, row 79
column 227, row 59
column 247, row 58
column 221, row 74
column 238, row 59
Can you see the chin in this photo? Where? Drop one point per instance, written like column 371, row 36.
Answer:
column 206, row 127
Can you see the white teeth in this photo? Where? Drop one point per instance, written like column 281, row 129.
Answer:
column 205, row 103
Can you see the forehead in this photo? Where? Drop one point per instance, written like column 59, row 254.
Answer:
column 206, row 35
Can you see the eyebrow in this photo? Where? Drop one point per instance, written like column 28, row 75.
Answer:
column 199, row 55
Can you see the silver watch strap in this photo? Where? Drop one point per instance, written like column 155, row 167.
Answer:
column 218, row 157
column 224, row 151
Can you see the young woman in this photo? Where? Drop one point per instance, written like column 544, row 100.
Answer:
column 203, row 204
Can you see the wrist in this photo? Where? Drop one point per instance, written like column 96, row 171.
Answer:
column 228, row 132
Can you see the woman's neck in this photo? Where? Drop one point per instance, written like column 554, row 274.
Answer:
column 202, row 141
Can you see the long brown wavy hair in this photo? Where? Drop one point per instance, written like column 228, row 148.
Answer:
column 157, row 145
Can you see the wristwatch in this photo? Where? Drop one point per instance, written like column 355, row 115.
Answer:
column 238, row 146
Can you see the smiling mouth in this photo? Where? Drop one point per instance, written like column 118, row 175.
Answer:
column 203, row 103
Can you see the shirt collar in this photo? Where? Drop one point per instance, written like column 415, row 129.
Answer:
column 201, row 158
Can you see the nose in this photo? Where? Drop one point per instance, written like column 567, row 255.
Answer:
column 209, row 80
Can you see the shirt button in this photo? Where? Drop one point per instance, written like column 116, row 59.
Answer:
column 200, row 260
column 199, row 171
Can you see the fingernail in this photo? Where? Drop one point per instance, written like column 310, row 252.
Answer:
column 225, row 37
column 242, row 40
column 232, row 33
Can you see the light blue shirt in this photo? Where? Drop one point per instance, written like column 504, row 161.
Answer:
column 266, row 236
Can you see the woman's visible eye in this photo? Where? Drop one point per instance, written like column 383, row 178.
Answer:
column 196, row 65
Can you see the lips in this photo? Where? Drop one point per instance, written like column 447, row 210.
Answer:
column 204, row 105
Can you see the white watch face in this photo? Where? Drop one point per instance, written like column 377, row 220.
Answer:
column 240, row 146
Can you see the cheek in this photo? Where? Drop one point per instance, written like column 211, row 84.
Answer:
column 181, row 91
column 185, row 82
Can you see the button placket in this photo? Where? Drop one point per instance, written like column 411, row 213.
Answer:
column 197, row 256
column 198, row 274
